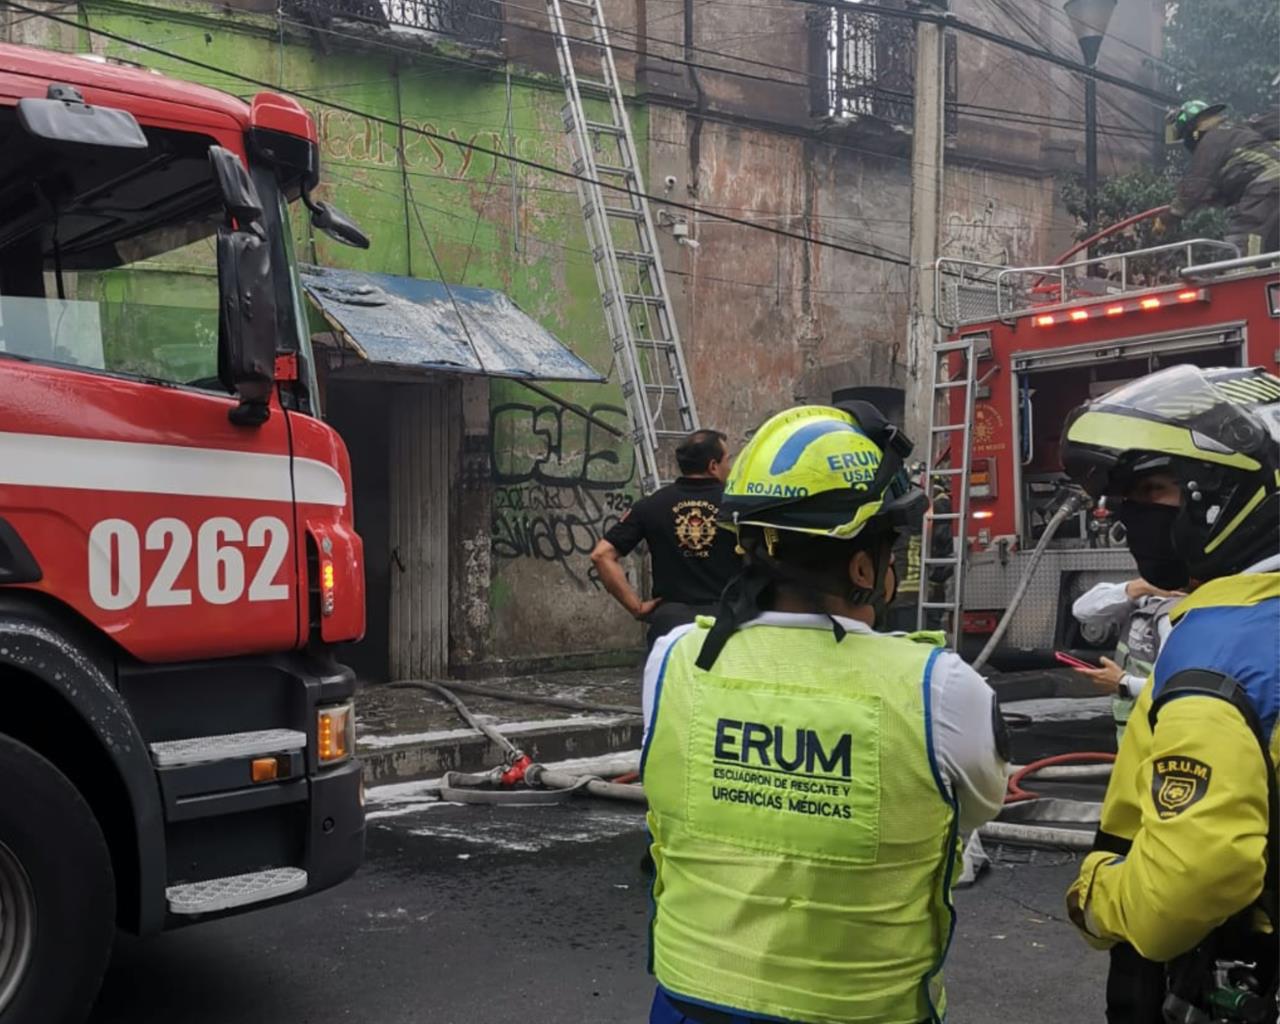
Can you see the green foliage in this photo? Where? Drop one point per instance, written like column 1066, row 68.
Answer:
column 1224, row 51
column 1123, row 195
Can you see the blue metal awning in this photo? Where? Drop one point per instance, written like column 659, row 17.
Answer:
column 413, row 324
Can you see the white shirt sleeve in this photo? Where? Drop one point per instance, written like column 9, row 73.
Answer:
column 653, row 672
column 1107, row 602
column 964, row 739
column 1132, row 685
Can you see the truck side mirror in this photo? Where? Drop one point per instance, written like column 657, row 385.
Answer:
column 336, row 224
column 247, row 306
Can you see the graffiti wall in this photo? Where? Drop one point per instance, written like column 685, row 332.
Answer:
column 560, row 482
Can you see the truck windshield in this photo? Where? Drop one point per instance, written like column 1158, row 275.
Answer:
column 108, row 259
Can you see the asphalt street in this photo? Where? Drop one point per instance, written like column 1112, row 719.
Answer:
column 478, row 915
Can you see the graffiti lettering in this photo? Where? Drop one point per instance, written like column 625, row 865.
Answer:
column 555, row 447
column 990, row 235
column 559, row 525
column 561, row 483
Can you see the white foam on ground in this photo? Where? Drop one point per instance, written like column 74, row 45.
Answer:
column 396, row 799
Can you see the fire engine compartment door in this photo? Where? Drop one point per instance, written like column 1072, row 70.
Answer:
column 1227, row 338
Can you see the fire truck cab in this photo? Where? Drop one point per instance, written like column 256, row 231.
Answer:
column 177, row 550
column 1019, row 348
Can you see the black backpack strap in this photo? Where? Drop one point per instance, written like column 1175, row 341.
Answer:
column 1208, row 683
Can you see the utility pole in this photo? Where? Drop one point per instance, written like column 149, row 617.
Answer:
column 927, row 147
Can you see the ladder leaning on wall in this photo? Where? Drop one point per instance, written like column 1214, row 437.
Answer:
column 624, row 244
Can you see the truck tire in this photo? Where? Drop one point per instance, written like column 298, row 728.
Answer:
column 57, row 894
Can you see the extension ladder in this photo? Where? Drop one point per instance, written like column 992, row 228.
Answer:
column 624, row 244
column 955, row 383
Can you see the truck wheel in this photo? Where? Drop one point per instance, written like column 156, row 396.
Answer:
column 57, row 894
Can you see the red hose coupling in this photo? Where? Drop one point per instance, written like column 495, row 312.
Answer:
column 515, row 774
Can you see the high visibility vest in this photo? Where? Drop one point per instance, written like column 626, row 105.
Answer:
column 803, row 838
column 1140, row 639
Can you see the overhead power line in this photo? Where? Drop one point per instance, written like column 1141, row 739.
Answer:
column 883, row 256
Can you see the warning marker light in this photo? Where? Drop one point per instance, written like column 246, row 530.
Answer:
column 1115, row 310
column 1079, row 314
column 1150, row 303
column 1044, row 321
column 1190, row 296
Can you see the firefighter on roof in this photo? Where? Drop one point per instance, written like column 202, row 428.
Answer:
column 1182, row 880
column 1232, row 165
column 807, row 775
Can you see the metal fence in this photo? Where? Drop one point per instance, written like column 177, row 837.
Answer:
column 871, row 66
column 475, row 22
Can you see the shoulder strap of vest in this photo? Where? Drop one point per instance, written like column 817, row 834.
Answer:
column 927, row 636
column 1208, row 683
column 1241, row 589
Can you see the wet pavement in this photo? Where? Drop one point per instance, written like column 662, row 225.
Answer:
column 538, row 915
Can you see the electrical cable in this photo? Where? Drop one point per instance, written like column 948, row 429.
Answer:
column 439, row 137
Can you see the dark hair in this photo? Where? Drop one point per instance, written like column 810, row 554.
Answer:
column 699, row 449
column 824, row 561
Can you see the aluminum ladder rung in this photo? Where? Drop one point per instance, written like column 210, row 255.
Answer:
column 617, row 172
column 632, row 256
column 950, row 606
column 951, row 383
column 939, row 561
column 672, row 434
column 948, row 428
column 601, row 128
column 645, row 300
column 590, row 83
column 623, row 213
column 942, row 517
column 945, row 472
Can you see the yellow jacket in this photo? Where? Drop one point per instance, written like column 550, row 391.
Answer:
column 1182, row 842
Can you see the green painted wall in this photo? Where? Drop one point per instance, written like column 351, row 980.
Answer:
column 558, row 482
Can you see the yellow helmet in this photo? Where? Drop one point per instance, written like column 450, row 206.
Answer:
column 823, row 471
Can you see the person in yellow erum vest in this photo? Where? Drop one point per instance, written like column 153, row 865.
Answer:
column 1181, row 885
column 806, row 775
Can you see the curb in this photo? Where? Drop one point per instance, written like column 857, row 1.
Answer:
column 466, row 751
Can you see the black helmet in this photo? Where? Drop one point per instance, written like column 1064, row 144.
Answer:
column 1217, row 432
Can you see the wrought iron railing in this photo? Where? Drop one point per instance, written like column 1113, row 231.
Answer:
column 474, row 22
column 871, row 66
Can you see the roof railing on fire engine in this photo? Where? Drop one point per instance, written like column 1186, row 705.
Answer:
column 968, row 291
column 1226, row 266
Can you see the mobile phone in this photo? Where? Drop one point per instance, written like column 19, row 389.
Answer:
column 1067, row 659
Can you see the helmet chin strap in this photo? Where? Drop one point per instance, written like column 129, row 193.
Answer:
column 740, row 601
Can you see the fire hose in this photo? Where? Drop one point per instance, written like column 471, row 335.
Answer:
column 1069, row 508
column 519, row 780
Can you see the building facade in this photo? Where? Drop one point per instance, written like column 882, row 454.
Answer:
column 479, row 499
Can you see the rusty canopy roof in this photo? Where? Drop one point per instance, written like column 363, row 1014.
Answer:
column 412, row 324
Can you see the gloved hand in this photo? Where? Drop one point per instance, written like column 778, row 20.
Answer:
column 1160, row 226
column 1078, row 897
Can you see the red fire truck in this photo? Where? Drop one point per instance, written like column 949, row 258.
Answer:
column 177, row 553
column 1018, row 349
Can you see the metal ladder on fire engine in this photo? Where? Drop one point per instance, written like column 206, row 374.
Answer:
column 955, row 371
column 624, row 243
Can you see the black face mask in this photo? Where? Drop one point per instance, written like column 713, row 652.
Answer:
column 1149, row 535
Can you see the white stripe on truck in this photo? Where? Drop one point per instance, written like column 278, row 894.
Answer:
column 91, row 464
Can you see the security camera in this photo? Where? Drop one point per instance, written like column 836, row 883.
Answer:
column 669, row 181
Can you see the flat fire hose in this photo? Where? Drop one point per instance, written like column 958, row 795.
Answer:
column 520, row 781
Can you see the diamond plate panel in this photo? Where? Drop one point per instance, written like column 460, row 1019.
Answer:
column 990, row 585
column 200, row 749
column 234, row 890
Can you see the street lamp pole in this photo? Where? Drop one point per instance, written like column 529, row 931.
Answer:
column 1089, row 19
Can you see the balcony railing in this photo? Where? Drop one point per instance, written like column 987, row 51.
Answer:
column 474, row 22
column 871, row 66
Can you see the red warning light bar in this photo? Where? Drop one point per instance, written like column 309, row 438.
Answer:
column 1136, row 305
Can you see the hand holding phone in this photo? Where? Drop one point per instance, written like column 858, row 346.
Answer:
column 1074, row 662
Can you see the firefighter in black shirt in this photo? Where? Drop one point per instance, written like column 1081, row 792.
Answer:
column 692, row 560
